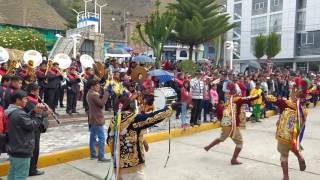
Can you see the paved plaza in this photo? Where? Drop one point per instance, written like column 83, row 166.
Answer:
column 188, row 161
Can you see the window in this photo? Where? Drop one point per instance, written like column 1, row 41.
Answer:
column 259, row 25
column 308, row 43
column 211, row 50
column 237, row 11
column 276, row 5
column 301, row 21
column 183, row 54
column 237, row 30
column 259, row 7
column 302, row 4
column 276, row 23
column 87, row 48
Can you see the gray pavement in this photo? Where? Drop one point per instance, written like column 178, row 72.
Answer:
column 190, row 162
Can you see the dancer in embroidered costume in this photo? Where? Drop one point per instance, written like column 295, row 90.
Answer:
column 231, row 120
column 291, row 124
column 126, row 138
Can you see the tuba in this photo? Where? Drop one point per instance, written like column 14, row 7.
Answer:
column 63, row 60
column 4, row 55
column 32, row 59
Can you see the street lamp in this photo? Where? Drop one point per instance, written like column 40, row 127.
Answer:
column 85, row 5
column 100, row 16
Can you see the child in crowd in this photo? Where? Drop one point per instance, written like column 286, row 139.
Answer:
column 185, row 102
column 213, row 101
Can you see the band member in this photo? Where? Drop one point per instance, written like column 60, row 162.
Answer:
column 131, row 152
column 231, row 120
column 54, row 78
column 291, row 124
column 73, row 88
column 33, row 91
column 3, row 69
column 23, row 73
column 41, row 78
column 15, row 84
column 88, row 74
column 5, row 80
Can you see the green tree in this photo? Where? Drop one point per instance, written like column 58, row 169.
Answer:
column 198, row 22
column 273, row 46
column 157, row 29
column 22, row 39
column 72, row 20
column 259, row 46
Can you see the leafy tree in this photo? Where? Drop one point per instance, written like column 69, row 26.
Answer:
column 72, row 20
column 259, row 46
column 22, row 39
column 273, row 46
column 198, row 22
column 157, row 28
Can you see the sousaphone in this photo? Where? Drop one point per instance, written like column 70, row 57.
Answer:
column 86, row 61
column 63, row 59
column 32, row 58
column 4, row 55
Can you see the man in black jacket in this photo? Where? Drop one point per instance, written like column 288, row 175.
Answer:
column 54, row 78
column 20, row 135
column 41, row 78
column 73, row 88
column 33, row 91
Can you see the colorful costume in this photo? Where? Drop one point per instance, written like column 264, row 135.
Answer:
column 131, row 153
column 230, row 121
column 291, row 124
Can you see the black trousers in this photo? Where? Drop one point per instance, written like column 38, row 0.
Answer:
column 71, row 101
column 51, row 97
column 196, row 111
column 61, row 95
column 34, row 159
column 84, row 101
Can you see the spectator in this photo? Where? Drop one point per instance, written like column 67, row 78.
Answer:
column 214, row 100
column 196, row 86
column 96, row 119
column 185, row 102
column 21, row 136
column 256, row 103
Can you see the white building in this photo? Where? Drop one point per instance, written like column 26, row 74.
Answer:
column 296, row 21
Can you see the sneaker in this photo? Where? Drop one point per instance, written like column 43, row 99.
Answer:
column 104, row 160
column 93, row 157
column 36, row 173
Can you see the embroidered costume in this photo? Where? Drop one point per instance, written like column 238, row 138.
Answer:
column 131, row 130
column 230, row 122
column 291, row 124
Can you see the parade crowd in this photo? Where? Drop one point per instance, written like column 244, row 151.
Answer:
column 28, row 97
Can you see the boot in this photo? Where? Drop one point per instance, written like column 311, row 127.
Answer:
column 234, row 160
column 285, row 170
column 302, row 162
column 213, row 143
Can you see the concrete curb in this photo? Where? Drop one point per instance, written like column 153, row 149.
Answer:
column 60, row 157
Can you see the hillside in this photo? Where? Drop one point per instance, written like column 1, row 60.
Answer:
column 53, row 13
column 36, row 13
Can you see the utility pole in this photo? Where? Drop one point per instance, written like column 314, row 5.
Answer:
column 100, row 16
column 125, row 23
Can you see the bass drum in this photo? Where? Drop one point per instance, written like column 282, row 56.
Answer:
column 163, row 97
